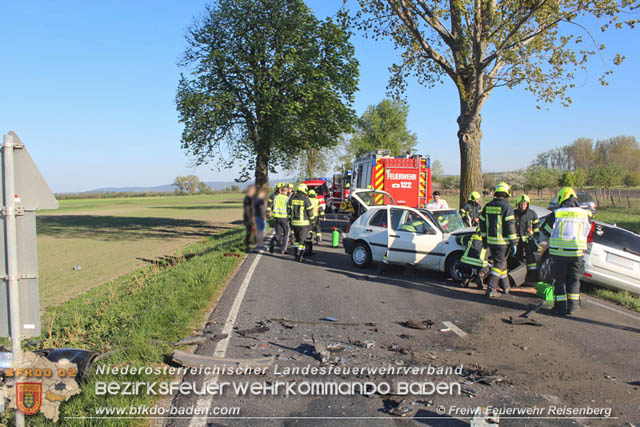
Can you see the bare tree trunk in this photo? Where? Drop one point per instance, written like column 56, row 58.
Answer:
column 262, row 168
column 469, row 138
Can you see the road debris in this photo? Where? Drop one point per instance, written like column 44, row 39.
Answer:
column 524, row 321
column 193, row 339
column 321, row 351
column 320, row 322
column 256, row 330
column 399, row 409
column 228, row 254
column 418, row 324
column 551, row 398
column 190, row 360
column 483, row 418
column 76, row 268
column 405, row 336
column 329, row 319
column 456, row 330
column 468, row 392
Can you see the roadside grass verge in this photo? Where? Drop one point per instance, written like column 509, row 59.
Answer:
column 621, row 298
column 137, row 316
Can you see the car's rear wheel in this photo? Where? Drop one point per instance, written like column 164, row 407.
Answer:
column 455, row 267
column 544, row 268
column 361, row 254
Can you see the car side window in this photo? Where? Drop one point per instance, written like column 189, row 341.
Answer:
column 413, row 223
column 396, row 216
column 379, row 219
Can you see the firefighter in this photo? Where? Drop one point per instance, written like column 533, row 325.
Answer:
column 300, row 212
column 318, row 214
column 568, row 229
column 470, row 212
column 281, row 219
column 527, row 227
column 272, row 196
column 475, row 260
column 289, row 192
column 498, row 228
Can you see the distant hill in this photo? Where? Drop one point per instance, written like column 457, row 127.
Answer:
column 215, row 185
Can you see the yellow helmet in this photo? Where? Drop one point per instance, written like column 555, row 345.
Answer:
column 565, row 194
column 347, row 185
column 280, row 185
column 523, row 198
column 312, row 193
column 290, row 185
column 474, row 196
column 369, row 187
column 302, row 188
column 503, row 187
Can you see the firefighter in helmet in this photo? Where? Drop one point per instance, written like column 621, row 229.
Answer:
column 474, row 261
column 300, row 212
column 470, row 211
column 568, row 228
column 281, row 219
column 318, row 213
column 527, row 226
column 498, row 230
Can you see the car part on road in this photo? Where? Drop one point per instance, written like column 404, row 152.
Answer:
column 330, row 319
column 322, row 353
column 456, row 330
column 317, row 323
column 190, row 360
column 400, row 409
column 417, row 324
column 84, row 359
column 256, row 330
column 524, row 321
column 193, row 339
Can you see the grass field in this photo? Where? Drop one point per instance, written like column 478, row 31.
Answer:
column 110, row 237
column 137, row 317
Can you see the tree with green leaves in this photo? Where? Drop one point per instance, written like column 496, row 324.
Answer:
column 540, row 177
column 383, row 126
column 437, row 171
column 265, row 79
column 482, row 45
column 186, row 184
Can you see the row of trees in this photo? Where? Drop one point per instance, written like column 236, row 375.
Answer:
column 267, row 81
column 604, row 163
column 191, row 184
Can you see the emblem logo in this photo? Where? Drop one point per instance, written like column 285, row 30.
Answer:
column 29, row 397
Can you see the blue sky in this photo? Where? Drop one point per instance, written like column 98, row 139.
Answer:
column 90, row 86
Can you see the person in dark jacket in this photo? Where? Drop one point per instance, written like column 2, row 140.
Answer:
column 260, row 210
column 470, row 211
column 498, row 230
column 527, row 226
column 474, row 261
column 301, row 214
column 248, row 216
column 568, row 228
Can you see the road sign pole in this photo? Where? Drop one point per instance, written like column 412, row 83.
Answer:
column 9, row 212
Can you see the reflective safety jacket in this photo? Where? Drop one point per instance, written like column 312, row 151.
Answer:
column 300, row 210
column 470, row 213
column 280, row 206
column 527, row 223
column 476, row 253
column 318, row 209
column 568, row 230
column 497, row 223
column 270, row 200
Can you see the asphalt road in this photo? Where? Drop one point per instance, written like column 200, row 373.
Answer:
column 590, row 360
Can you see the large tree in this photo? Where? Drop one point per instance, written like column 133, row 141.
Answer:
column 265, row 80
column 481, row 45
column 383, row 126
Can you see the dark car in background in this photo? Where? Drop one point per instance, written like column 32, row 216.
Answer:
column 585, row 200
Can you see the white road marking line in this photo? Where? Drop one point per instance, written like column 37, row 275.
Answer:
column 459, row 332
column 221, row 347
column 608, row 307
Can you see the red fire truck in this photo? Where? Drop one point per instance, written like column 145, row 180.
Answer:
column 407, row 179
column 319, row 185
column 339, row 190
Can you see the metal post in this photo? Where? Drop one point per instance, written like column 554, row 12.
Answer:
column 12, row 255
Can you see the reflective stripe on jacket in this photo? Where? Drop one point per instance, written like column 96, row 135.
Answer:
column 527, row 223
column 280, row 206
column 571, row 228
column 300, row 210
column 476, row 253
column 497, row 223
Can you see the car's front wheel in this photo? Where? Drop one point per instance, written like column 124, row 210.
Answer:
column 361, row 255
column 455, row 267
column 544, row 268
